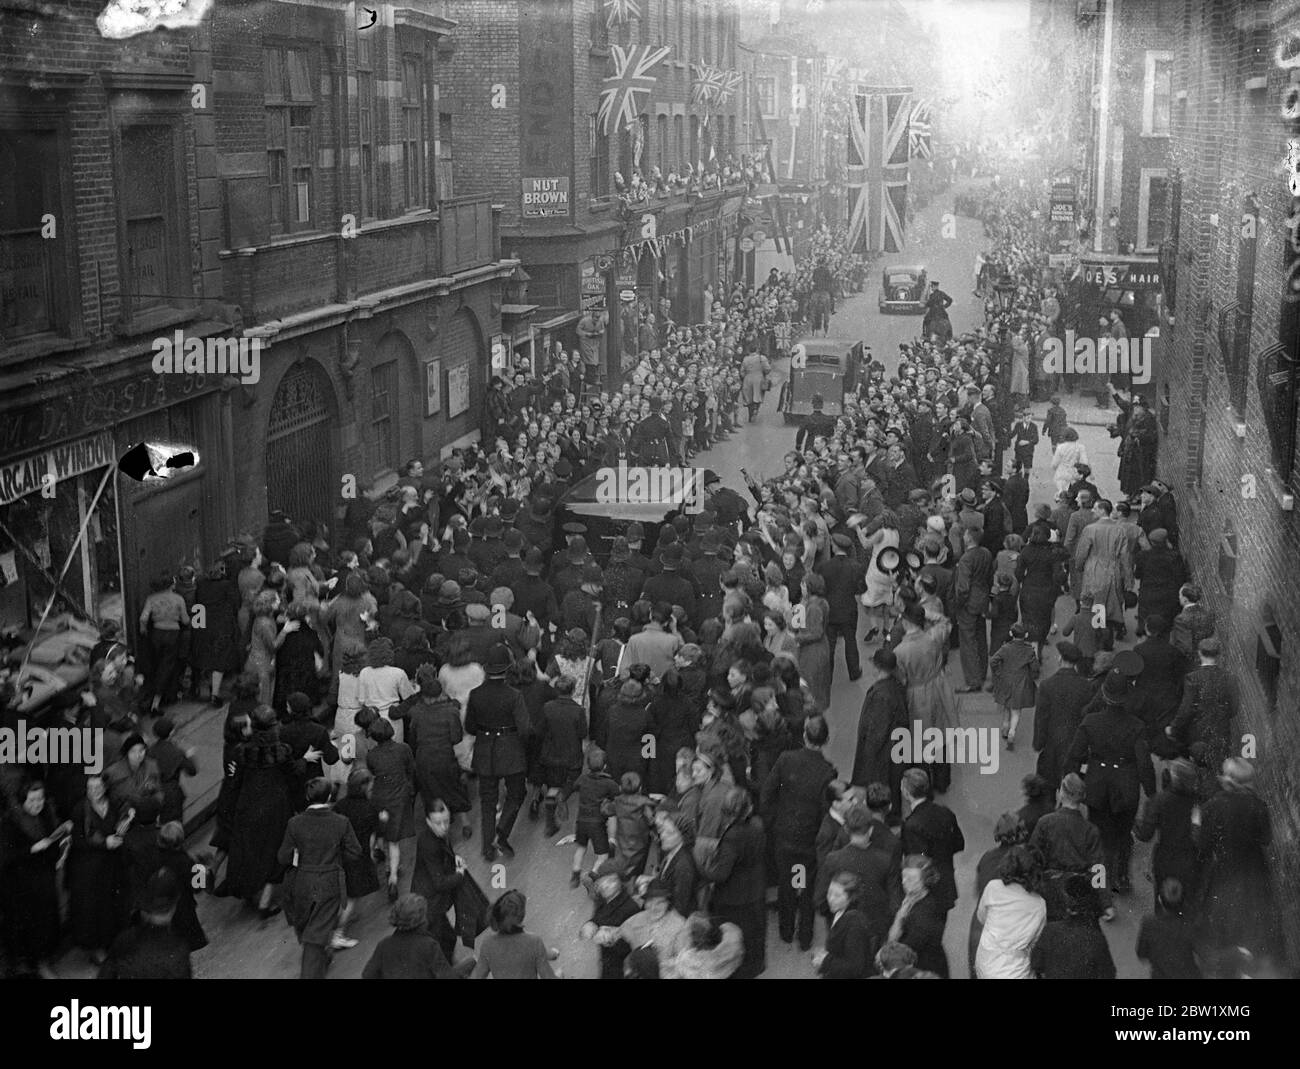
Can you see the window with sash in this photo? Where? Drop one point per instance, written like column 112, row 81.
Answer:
column 445, row 151
column 366, row 126
column 383, row 412
column 413, row 132
column 290, row 107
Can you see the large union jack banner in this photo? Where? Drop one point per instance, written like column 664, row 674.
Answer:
column 619, row 98
column 618, row 12
column 877, row 171
column 706, row 83
column 918, row 136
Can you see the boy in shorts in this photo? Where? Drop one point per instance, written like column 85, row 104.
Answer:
column 595, row 787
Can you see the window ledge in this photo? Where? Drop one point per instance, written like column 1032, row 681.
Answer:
column 1281, row 490
column 36, row 346
column 154, row 320
column 1155, row 137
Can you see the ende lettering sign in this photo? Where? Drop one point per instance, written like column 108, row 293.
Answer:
column 545, row 197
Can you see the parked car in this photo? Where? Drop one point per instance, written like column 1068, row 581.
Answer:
column 902, row 289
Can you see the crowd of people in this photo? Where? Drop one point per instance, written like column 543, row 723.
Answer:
column 664, row 695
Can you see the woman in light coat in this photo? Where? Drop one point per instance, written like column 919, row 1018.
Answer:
column 753, row 369
column 1069, row 453
column 1013, row 915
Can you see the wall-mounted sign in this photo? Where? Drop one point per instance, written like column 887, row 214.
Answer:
column 457, row 390
column 545, row 198
column 52, row 467
column 746, row 244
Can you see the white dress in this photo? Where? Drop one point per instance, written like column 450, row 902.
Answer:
column 456, row 684
column 1067, row 455
column 1013, row 919
column 381, row 689
column 880, row 587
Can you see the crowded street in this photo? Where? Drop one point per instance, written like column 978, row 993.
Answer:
column 602, row 490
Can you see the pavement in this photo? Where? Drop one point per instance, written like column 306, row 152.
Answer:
column 243, row 946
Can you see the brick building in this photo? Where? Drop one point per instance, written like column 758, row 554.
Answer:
column 269, row 175
column 1125, row 90
column 522, row 93
column 1227, row 379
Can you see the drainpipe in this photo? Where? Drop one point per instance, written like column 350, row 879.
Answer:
column 1103, row 129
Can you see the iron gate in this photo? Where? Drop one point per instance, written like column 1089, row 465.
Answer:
column 299, row 447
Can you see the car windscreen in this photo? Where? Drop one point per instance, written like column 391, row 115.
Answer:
column 906, row 279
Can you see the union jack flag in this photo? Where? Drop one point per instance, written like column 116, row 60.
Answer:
column 617, row 12
column 619, row 101
column 730, row 83
column 877, row 169
column 918, row 137
column 706, row 83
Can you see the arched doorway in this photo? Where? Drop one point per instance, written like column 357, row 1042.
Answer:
column 300, row 446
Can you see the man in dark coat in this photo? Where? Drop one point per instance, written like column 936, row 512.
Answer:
column 884, row 709
column 845, row 580
column 650, row 436
column 729, row 505
column 1058, row 713
column 1112, row 743
column 1203, row 723
column 671, row 586
column 1159, row 689
column 150, row 950
column 316, row 844
column 972, row 586
column 623, row 582
column 1068, row 843
column 1024, row 438
column 707, row 570
column 1137, row 450
column 1015, row 495
column 997, row 520
column 867, row 855
column 818, row 424
column 498, row 719
column 793, row 801
column 931, row 829
column 1161, row 572
column 534, row 595
column 1194, row 623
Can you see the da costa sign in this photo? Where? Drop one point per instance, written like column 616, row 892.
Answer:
column 545, row 198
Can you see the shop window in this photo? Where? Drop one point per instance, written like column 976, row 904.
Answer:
column 1153, row 206
column 765, row 90
column 1268, row 653
column 33, row 269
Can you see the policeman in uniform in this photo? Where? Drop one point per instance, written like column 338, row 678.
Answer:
column 819, row 424
column 729, row 505
column 1112, row 744
column 650, row 436
column 498, row 719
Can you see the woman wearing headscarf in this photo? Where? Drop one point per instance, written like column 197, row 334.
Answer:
column 921, row 918
column 433, row 730
column 1013, row 914
column 134, row 776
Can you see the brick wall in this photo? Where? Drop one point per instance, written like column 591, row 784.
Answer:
column 1223, row 152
